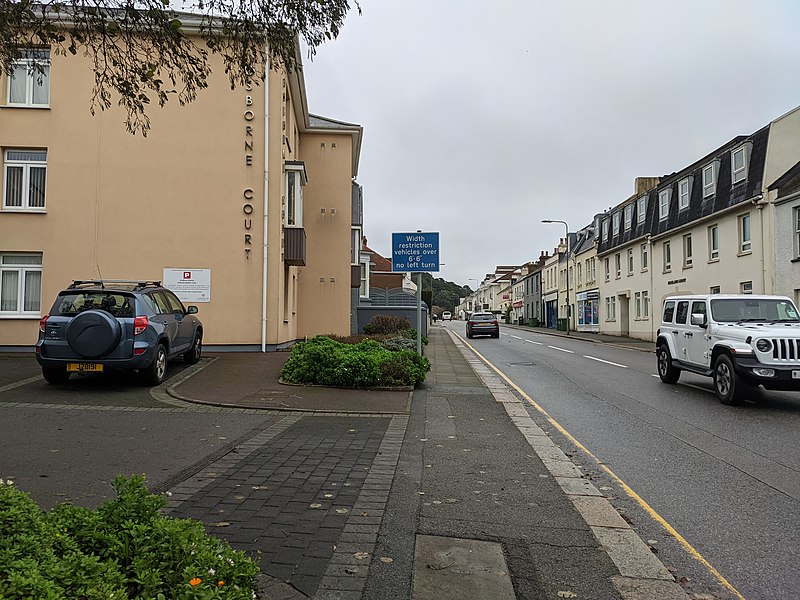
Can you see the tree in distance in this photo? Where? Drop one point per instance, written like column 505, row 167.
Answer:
column 145, row 50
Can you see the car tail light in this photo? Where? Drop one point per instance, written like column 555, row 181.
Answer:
column 139, row 325
column 43, row 323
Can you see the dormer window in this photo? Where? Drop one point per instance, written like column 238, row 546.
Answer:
column 615, row 220
column 739, row 160
column 663, row 203
column 709, row 180
column 641, row 209
column 684, row 192
column 628, row 216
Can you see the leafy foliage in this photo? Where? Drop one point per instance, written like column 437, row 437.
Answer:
column 146, row 51
column 443, row 294
column 124, row 549
column 382, row 324
column 323, row 361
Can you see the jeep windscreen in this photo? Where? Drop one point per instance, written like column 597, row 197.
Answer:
column 756, row 310
column 70, row 304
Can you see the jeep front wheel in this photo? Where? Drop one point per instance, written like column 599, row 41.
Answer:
column 730, row 387
column 666, row 371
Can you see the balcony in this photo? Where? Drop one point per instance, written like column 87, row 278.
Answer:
column 294, row 246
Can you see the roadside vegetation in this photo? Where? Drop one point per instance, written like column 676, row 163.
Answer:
column 384, row 357
column 125, row 549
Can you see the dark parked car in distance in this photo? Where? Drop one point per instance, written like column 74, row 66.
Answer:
column 482, row 323
column 97, row 326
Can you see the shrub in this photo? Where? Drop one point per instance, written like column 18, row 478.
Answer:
column 323, row 361
column 386, row 324
column 125, row 549
column 399, row 343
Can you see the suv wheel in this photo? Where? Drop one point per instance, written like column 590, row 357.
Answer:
column 729, row 385
column 157, row 371
column 54, row 376
column 666, row 371
column 192, row 355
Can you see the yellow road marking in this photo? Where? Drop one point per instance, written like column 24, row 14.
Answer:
column 633, row 495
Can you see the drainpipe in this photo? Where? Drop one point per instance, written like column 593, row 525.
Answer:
column 758, row 204
column 266, row 215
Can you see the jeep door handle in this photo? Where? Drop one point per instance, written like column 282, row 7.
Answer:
column 675, row 332
column 688, row 334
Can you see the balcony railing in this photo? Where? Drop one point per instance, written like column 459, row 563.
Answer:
column 294, row 246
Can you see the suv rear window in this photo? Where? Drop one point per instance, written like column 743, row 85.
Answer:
column 70, row 304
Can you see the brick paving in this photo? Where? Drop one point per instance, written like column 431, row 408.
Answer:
column 305, row 495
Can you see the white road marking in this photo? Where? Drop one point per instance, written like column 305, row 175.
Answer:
column 537, row 343
column 561, row 349
column 516, row 337
column 608, row 362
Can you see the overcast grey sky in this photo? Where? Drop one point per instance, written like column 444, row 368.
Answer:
column 483, row 118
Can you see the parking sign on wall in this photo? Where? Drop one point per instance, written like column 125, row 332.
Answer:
column 190, row 285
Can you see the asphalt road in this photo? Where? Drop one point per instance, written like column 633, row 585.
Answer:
column 727, row 479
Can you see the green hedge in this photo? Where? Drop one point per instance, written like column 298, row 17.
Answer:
column 124, row 549
column 323, row 361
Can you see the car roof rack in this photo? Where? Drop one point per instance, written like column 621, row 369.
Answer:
column 137, row 283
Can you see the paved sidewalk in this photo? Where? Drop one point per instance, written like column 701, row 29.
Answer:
column 371, row 504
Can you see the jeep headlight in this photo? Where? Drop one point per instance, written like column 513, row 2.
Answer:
column 764, row 345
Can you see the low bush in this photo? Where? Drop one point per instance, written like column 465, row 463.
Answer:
column 126, row 549
column 386, row 324
column 399, row 343
column 324, row 361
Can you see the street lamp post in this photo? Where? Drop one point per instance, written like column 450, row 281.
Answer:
column 566, row 227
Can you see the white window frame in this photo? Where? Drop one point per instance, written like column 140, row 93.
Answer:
column 746, row 287
column 630, row 262
column 667, row 250
column 363, row 288
column 684, row 193
column 687, row 251
column 628, row 216
column 644, row 257
column 645, row 304
column 714, row 289
column 608, row 269
column 32, row 76
column 641, row 209
column 611, row 308
column 26, row 165
column 745, row 237
column 594, row 270
column 797, row 231
column 709, row 180
column 295, row 173
column 580, row 273
column 663, row 203
column 739, row 174
column 604, row 228
column 615, row 222
column 618, row 265
column 638, row 303
column 355, row 245
column 713, row 243
column 10, row 263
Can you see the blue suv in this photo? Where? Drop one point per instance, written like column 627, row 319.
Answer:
column 98, row 326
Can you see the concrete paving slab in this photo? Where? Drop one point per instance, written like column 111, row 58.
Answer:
column 636, row 589
column 452, row 568
column 631, row 555
column 598, row 512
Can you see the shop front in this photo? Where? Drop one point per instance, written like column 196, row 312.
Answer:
column 589, row 311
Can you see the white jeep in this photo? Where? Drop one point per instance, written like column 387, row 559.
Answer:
column 739, row 340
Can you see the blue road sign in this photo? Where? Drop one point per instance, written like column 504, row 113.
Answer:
column 415, row 252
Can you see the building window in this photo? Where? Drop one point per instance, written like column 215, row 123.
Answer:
column 605, row 229
column 29, row 85
column 618, row 264
column 608, row 270
column 363, row 289
column 667, row 258
column 713, row 243
column 24, row 181
column 20, row 284
column 641, row 209
column 628, row 216
column 611, row 308
column 709, row 180
column 638, row 297
column 739, row 164
column 615, row 220
column 684, row 191
column 295, row 180
column 663, row 203
column 594, row 270
column 580, row 274
column 355, row 245
column 714, row 289
column 644, row 257
column 746, row 287
column 645, row 304
column 630, row 261
column 745, row 243
column 687, row 250
column 797, row 231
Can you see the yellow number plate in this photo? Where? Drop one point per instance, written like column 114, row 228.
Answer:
column 84, row 367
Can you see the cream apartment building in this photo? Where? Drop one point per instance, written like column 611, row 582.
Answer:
column 708, row 228
column 244, row 189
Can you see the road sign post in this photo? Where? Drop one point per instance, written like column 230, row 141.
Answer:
column 418, row 253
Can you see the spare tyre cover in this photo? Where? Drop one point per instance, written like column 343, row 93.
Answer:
column 93, row 333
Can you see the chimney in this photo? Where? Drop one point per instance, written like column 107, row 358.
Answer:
column 643, row 184
column 364, row 241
